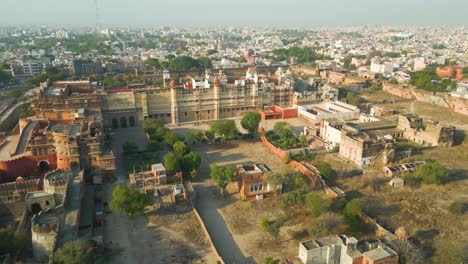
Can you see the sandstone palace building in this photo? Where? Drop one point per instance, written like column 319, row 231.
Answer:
column 210, row 98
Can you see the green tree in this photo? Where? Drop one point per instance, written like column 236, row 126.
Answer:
column 7, row 236
column 170, row 138
column 205, row 62
column 195, row 136
column 326, row 170
column 270, row 227
column 180, row 149
column 128, row 201
column 300, row 183
column 453, row 252
column 150, row 125
column 433, row 173
column 171, row 163
column 351, row 214
column 276, row 181
column 191, row 163
column 222, row 176
column 75, row 252
column 303, row 140
column 317, row 204
column 4, row 76
column 283, row 129
column 292, row 199
column 270, row 260
column 352, row 98
column 326, row 224
column 153, row 62
column 211, row 52
column 15, row 93
column 250, row 122
column 224, row 128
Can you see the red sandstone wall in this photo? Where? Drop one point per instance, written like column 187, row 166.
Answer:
column 63, row 162
column 272, row 148
column 24, row 166
column 315, row 179
column 290, row 113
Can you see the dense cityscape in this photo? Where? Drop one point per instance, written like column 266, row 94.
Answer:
column 234, row 144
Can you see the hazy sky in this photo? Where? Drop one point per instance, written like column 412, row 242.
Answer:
column 235, row 12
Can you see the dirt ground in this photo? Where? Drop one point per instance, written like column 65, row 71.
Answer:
column 423, row 210
column 142, row 240
column 242, row 217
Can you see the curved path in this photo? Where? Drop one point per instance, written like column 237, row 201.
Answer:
column 24, row 138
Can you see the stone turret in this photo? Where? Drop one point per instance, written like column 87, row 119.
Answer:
column 44, row 230
column 174, row 107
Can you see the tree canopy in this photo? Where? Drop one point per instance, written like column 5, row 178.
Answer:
column 326, row 170
column 424, row 79
column 270, row 227
column 433, row 173
column 75, row 252
column 153, row 62
column 302, row 55
column 317, row 204
column 250, row 122
column 224, row 128
column 186, row 63
column 222, row 176
column 128, row 201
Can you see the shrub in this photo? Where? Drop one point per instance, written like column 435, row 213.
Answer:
column 292, row 199
column 326, row 170
column 433, row 173
column 457, row 208
column 316, row 204
column 412, row 181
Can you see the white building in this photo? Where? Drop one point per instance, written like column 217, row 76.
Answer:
column 381, row 67
column 340, row 249
column 316, row 112
column 419, row 64
column 330, row 131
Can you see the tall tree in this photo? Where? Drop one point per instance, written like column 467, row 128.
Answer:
column 283, row 129
column 128, row 201
column 74, row 252
column 224, row 128
column 191, row 163
column 250, row 122
column 270, row 227
column 170, row 163
column 222, row 176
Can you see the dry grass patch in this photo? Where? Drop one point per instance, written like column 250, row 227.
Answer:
column 185, row 224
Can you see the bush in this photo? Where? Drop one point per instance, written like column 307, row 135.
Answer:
column 412, row 181
column 316, row 204
column 457, row 208
column 326, row 224
column 292, row 199
column 326, row 170
column 433, row 173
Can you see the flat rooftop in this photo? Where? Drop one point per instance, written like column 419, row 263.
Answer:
column 51, row 90
column 379, row 253
column 37, row 194
column 70, row 129
column 322, row 242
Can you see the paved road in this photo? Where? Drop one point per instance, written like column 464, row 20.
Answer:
column 23, row 141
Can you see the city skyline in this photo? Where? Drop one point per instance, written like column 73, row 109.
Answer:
column 204, row 13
